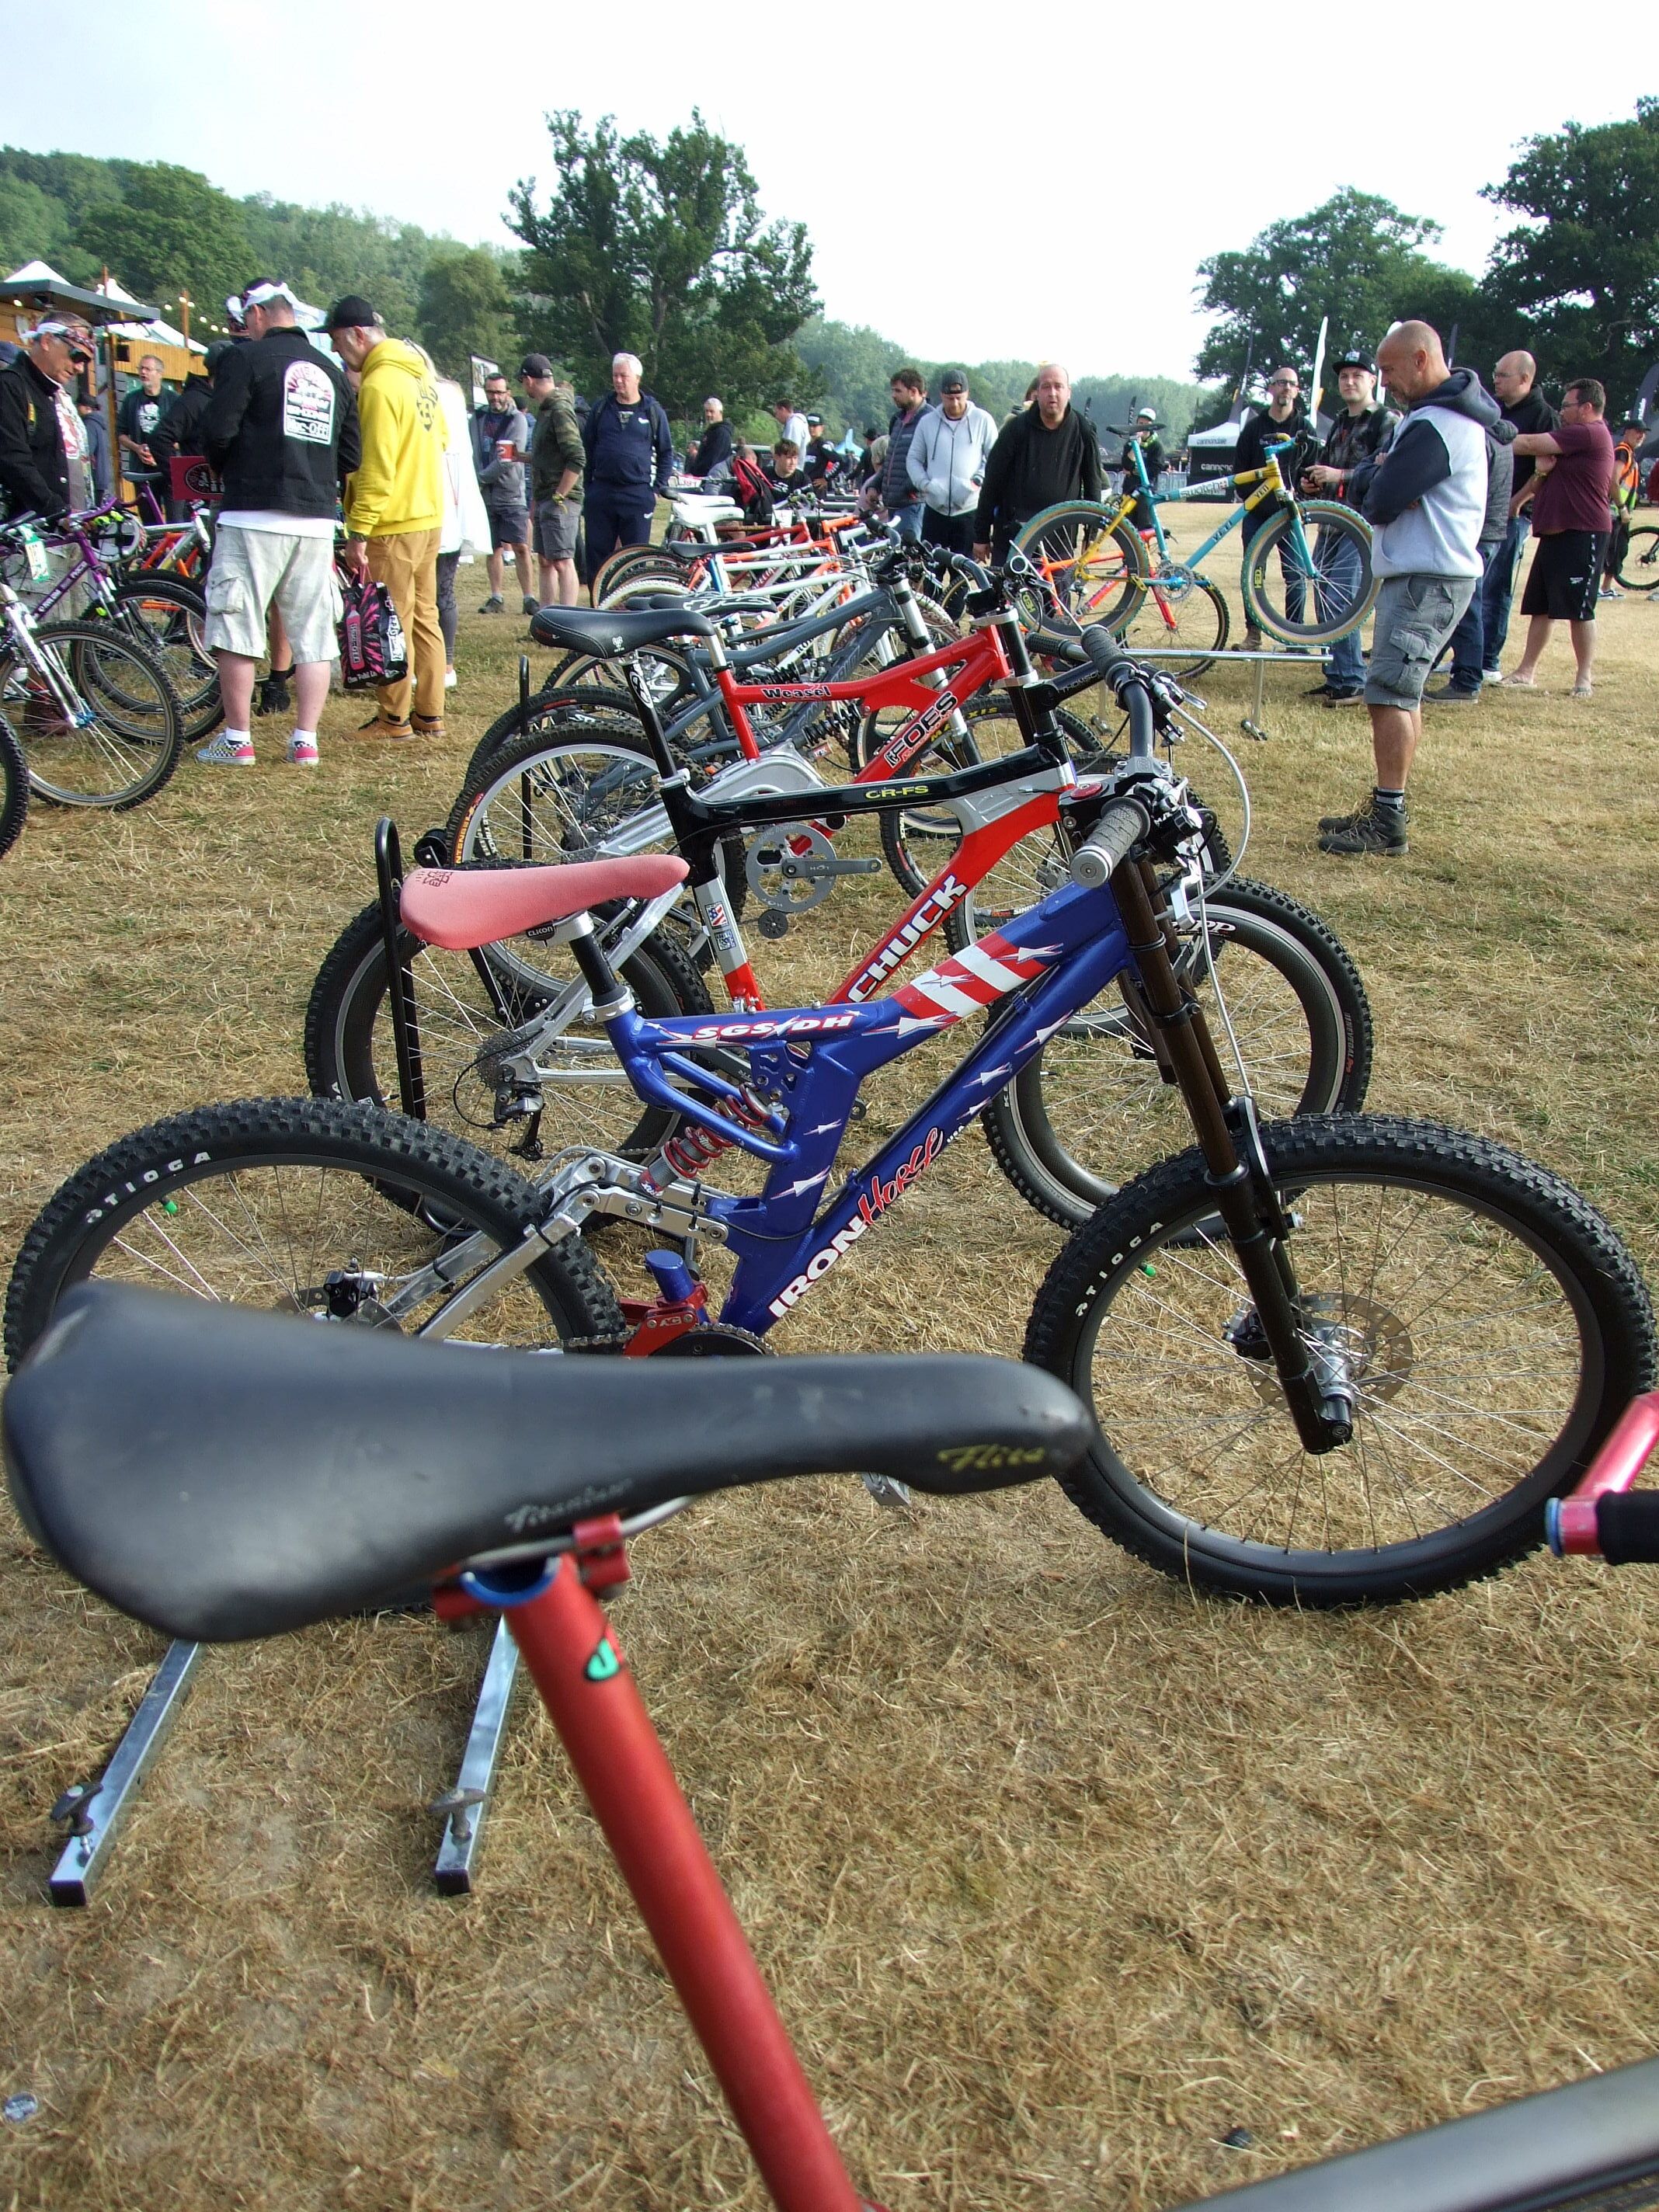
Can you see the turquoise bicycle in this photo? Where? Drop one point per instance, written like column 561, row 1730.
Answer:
column 1318, row 553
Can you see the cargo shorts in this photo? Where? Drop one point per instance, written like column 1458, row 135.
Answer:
column 1415, row 617
column 254, row 567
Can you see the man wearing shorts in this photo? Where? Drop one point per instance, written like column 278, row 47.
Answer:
column 281, row 430
column 1572, row 512
column 557, row 460
column 1426, row 500
column 497, row 423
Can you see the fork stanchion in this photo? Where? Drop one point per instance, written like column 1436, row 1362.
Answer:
column 94, row 1814
column 568, row 1647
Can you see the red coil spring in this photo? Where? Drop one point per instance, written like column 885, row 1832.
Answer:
column 694, row 1147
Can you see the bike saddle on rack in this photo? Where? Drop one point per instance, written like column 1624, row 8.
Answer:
column 461, row 909
column 599, row 631
column 221, row 1474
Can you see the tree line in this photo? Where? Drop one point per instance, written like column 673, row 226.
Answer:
column 1575, row 280
column 661, row 248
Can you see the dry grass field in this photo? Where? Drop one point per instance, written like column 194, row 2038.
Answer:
column 1060, row 1873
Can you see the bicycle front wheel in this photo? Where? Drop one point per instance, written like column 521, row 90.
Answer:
column 1091, row 558
column 1639, row 567
column 99, row 721
column 1308, row 572
column 1490, row 1323
column 307, row 1207
column 1092, row 1108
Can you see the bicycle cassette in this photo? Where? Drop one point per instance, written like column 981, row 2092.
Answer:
column 793, row 868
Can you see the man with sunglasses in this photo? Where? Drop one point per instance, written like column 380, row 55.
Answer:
column 45, row 461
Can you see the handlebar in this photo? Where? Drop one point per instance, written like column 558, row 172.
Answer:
column 1104, row 850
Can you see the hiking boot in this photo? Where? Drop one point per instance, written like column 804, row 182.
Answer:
column 1371, row 828
column 273, row 692
column 494, row 604
column 1252, row 641
column 1319, row 691
column 1341, row 696
column 1452, row 694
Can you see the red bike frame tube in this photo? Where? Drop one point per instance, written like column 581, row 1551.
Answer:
column 571, row 1652
column 1614, row 1467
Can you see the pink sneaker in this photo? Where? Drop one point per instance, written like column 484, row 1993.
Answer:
column 230, row 749
column 302, row 751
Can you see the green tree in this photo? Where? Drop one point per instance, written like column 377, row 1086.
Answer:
column 660, row 250
column 464, row 308
column 33, row 227
column 171, row 230
column 1354, row 259
column 323, row 252
column 1584, row 270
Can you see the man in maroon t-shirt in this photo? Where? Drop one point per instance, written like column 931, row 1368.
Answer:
column 1570, row 517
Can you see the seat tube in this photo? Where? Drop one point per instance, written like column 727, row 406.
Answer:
column 591, row 1698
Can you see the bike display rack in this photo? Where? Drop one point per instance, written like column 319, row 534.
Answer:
column 1251, row 723
column 93, row 1812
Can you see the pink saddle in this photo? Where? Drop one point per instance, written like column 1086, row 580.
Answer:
column 461, row 908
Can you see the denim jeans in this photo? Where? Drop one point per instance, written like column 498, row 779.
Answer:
column 1345, row 659
column 1499, row 587
column 1470, row 659
column 906, row 521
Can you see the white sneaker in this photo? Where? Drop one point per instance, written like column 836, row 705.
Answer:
column 230, row 749
column 302, row 750
column 450, row 679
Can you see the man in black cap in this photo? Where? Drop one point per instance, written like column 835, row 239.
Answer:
column 947, row 464
column 557, row 459
column 1360, row 433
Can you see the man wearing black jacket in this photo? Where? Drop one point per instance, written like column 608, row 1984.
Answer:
column 1360, row 433
column 281, row 430
column 1287, row 416
column 1515, row 387
column 44, row 467
column 1045, row 454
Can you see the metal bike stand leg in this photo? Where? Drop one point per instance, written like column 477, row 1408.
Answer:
column 96, row 1813
column 465, row 1807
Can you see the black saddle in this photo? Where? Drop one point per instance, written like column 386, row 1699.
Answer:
column 222, row 1474
column 599, row 631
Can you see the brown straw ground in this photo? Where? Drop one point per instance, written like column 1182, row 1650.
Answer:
column 1060, row 1873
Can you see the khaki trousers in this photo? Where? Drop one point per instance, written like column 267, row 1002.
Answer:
column 407, row 566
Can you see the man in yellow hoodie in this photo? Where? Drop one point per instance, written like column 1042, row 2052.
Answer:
column 394, row 505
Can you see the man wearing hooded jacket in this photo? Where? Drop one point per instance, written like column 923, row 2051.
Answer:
column 395, row 506
column 1425, row 499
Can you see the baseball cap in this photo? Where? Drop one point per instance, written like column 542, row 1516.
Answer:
column 953, row 380
column 815, row 421
column 351, row 313
column 1356, row 358
column 1146, row 415
column 535, row 364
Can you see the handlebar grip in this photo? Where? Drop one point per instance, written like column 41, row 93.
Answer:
column 1104, row 851
column 1627, row 1523
column 1105, row 653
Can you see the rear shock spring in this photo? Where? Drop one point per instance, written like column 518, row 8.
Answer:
column 691, row 1149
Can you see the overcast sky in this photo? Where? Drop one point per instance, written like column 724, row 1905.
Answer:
column 1005, row 185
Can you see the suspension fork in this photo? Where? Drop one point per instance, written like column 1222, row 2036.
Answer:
column 1245, row 1199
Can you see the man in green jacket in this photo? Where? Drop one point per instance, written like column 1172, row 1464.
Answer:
column 556, row 462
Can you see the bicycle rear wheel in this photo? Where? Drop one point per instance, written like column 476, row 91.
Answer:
column 1639, row 567
column 307, row 1207
column 1491, row 1327
column 1182, row 613
column 170, row 616
column 465, row 1005
column 14, row 786
column 1092, row 559
column 107, row 731
column 1308, row 574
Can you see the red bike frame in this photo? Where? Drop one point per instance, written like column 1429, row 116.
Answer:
column 577, row 1665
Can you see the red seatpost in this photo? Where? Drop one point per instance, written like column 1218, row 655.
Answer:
column 571, row 1653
